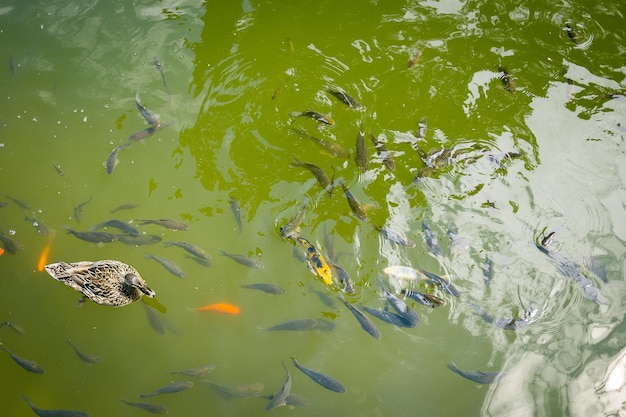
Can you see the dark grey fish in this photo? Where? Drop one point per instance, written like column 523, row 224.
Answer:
column 345, row 98
column 27, row 364
column 268, row 288
column 292, row 400
column 94, row 237
column 126, row 206
column 361, row 157
column 318, row 172
column 384, row 153
column 401, row 307
column 199, row 371
column 290, row 230
column 548, row 239
column 488, row 271
column 388, row 317
column 159, row 66
column 151, row 117
column 3, row 204
column 443, row 283
column 304, row 324
column 507, row 323
column 141, row 240
column 507, row 79
column 23, row 205
column 16, row 328
column 147, row 132
column 85, row 357
column 54, row 413
column 367, row 324
column 236, row 209
column 318, row 117
column 334, row 149
column 235, row 391
column 58, row 169
column 428, row 300
column 244, row 260
column 151, row 408
column 173, row 387
column 321, row 378
column 477, row 376
column 168, row 264
column 331, row 252
column 39, row 226
column 10, row 245
column 78, row 210
column 201, row 261
column 153, row 319
column 396, row 237
column 344, row 278
column 167, row 223
column 571, row 33
column 112, row 161
column 191, row 248
column 355, row 205
column 118, row 224
column 11, row 62
column 431, row 240
column 279, row 397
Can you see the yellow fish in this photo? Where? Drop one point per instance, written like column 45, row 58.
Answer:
column 317, row 261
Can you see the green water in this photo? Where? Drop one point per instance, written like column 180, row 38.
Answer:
column 69, row 71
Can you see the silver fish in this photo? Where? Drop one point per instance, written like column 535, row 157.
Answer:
column 147, row 132
column 153, row 319
column 290, row 230
column 118, row 224
column 367, row 324
column 318, row 172
column 127, row 206
column 304, row 324
column 199, row 371
column 78, row 210
column 151, row 117
column 278, row 399
column 265, row 287
column 93, row 237
column 388, row 317
column 151, row 408
column 244, row 260
column 112, row 161
column 167, row 223
column 85, row 357
column 26, row 364
column 10, row 245
column 141, row 240
column 16, row 328
column 176, row 386
column 157, row 63
column 54, row 413
column 345, row 98
column 236, row 209
column 191, row 248
column 322, row 379
column 168, row 264
column 431, row 240
column 361, row 157
column 23, row 205
column 477, row 376
column 318, row 117
column 236, row 391
column 41, row 228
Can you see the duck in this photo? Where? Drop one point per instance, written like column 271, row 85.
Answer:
column 107, row 282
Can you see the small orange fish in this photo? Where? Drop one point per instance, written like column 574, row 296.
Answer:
column 220, row 307
column 43, row 259
column 1, row 251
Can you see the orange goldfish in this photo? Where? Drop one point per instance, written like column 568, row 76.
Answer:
column 220, row 307
column 43, row 259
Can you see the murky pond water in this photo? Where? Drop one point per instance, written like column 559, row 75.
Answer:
column 495, row 125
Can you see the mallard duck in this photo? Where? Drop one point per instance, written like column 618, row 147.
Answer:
column 110, row 283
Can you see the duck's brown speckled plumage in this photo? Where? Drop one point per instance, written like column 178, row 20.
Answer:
column 107, row 282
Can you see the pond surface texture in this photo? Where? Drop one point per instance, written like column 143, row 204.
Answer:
column 500, row 169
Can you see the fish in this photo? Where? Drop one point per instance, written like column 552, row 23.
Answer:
column 317, row 261
column 54, row 413
column 595, row 267
column 3, row 204
column 58, row 169
column 477, row 376
column 159, row 66
column 431, row 240
column 571, row 33
column 10, row 245
column 319, row 174
column 39, row 226
column 488, row 271
column 21, row 204
column 236, row 209
column 171, row 388
column 303, row 324
column 93, row 237
column 355, row 205
column 199, row 371
column 321, row 378
column 167, row 223
column 414, row 59
column 366, row 324
column 445, row 284
column 85, row 357
column 15, row 327
column 26, row 364
column 403, row 272
column 112, row 161
column 344, row 278
column 153, row 319
column 11, row 62
column 507, row 323
column 384, row 153
column 400, row 306
column 292, row 400
column 78, row 210
column 395, row 237
column 547, row 240
column 388, row 317
column 345, row 98
column 141, row 240
column 118, row 224
column 191, row 248
column 290, row 45
column 151, row 117
column 127, row 206
column 268, row 288
column 243, row 260
column 151, row 408
column 361, row 157
column 334, row 149
column 331, row 252
column 236, row 391
column 1, row 251
column 221, row 308
column 507, row 79
column 292, row 227
column 147, row 132
column 168, row 264
column 278, row 399
column 422, row 126
column 318, row 117
column 428, row 300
